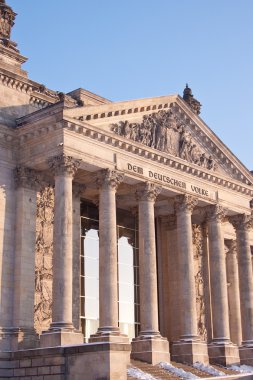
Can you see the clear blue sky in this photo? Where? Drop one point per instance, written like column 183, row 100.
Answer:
column 142, row 48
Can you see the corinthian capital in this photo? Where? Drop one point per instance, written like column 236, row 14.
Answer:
column 241, row 222
column 26, row 177
column 185, row 202
column 147, row 191
column 215, row 213
column 64, row 165
column 232, row 247
column 109, row 179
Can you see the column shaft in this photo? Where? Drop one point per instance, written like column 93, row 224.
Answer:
column 218, row 276
column 242, row 224
column 148, row 274
column 108, row 181
column 108, row 288
column 233, row 293
column 149, row 346
column 184, row 208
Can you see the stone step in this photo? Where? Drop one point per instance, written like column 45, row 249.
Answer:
column 162, row 374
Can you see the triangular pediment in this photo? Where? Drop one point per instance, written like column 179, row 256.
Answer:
column 168, row 125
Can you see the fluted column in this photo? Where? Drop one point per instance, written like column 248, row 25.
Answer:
column 221, row 350
column 64, row 168
column 149, row 345
column 184, row 205
column 108, row 181
column 233, row 293
column 242, row 224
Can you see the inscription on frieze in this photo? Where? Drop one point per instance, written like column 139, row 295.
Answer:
column 167, row 180
column 165, row 131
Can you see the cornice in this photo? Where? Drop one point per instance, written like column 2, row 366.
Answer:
column 121, row 108
column 39, row 95
column 28, row 132
column 206, row 137
column 162, row 158
column 212, row 140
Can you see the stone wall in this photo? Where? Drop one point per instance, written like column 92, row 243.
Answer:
column 67, row 363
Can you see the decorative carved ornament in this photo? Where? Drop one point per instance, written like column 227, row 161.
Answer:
column 215, row 213
column 64, row 165
column 165, row 131
column 147, row 191
column 197, row 241
column 241, row 222
column 109, row 179
column 185, row 202
column 26, row 177
column 231, row 247
column 43, row 259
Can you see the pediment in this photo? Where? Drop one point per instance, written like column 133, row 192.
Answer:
column 166, row 124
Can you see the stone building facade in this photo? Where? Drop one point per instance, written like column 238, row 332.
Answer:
column 125, row 229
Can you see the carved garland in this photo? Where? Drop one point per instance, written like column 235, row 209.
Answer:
column 165, row 131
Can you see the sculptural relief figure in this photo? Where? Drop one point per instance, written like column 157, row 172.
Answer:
column 164, row 131
column 43, row 259
column 185, row 145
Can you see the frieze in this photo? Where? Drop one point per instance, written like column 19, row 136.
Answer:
column 167, row 132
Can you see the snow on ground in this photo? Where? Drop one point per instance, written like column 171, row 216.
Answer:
column 208, row 369
column 139, row 374
column 241, row 368
column 178, row 371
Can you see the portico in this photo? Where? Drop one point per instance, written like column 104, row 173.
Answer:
column 126, row 231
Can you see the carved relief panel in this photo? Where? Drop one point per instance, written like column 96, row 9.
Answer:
column 43, row 259
column 197, row 238
column 166, row 131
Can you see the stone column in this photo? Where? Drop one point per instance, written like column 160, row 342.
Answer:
column 190, row 348
column 233, row 293
column 24, row 335
column 149, row 346
column 242, row 224
column 221, row 350
column 207, row 293
column 62, row 331
column 78, row 190
column 108, row 331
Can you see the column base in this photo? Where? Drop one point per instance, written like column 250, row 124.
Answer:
column 14, row 339
column 246, row 353
column 223, row 353
column 110, row 335
column 190, row 351
column 54, row 338
column 150, row 349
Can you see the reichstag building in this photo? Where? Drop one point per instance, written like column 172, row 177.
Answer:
column 125, row 232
